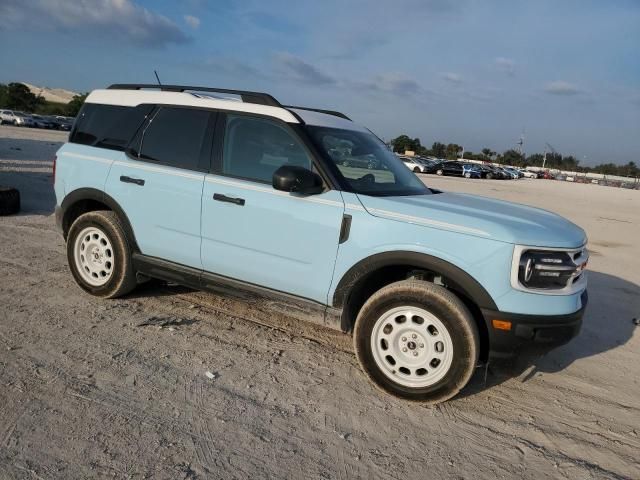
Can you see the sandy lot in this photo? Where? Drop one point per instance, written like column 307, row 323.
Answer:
column 117, row 389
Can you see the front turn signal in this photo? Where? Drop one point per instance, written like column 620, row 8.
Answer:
column 501, row 324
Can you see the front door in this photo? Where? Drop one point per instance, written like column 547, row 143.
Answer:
column 254, row 233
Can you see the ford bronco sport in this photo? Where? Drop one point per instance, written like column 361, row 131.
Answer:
column 215, row 188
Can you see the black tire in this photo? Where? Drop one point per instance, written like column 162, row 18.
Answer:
column 9, row 201
column 416, row 170
column 123, row 278
column 451, row 312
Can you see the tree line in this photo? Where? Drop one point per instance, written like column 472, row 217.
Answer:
column 554, row 160
column 17, row 96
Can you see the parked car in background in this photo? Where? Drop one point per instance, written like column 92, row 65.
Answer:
column 451, row 168
column 509, row 174
column 8, row 117
column 23, row 119
column 487, row 171
column 471, row 170
column 40, row 121
column 528, row 174
column 515, row 174
column 64, row 123
column 546, row 175
column 412, row 164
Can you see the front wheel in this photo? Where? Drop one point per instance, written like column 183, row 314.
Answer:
column 99, row 255
column 417, row 340
column 467, row 175
column 439, row 172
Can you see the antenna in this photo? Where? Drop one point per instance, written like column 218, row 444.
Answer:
column 157, row 77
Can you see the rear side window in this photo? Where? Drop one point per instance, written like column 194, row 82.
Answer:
column 176, row 137
column 108, row 126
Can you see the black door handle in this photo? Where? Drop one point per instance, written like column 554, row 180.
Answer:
column 223, row 198
column 137, row 181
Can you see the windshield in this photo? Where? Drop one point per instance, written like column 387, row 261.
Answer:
column 365, row 163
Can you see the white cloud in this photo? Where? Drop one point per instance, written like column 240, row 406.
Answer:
column 297, row 69
column 506, row 65
column 452, row 77
column 193, row 22
column 393, row 82
column 120, row 18
column 560, row 87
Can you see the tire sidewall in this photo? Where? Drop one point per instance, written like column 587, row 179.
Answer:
column 118, row 243
column 459, row 326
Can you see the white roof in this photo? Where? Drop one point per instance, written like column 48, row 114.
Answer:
column 132, row 98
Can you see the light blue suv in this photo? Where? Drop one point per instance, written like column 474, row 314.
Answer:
column 215, row 188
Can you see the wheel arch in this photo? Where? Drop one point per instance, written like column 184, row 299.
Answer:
column 85, row 200
column 376, row 271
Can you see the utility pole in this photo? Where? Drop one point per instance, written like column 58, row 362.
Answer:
column 544, row 158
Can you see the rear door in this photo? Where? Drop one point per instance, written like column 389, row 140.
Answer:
column 158, row 183
column 254, row 233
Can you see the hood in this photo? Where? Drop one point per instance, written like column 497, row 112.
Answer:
column 480, row 216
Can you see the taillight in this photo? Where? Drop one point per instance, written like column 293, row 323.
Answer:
column 55, row 157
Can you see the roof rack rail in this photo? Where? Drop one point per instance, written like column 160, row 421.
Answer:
column 246, row 96
column 319, row 110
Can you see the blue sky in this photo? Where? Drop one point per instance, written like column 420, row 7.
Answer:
column 474, row 72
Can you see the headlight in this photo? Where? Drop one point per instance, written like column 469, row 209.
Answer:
column 551, row 271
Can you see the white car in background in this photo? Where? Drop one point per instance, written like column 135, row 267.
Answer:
column 529, row 174
column 7, row 116
column 412, row 164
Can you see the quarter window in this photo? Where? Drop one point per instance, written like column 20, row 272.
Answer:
column 176, row 137
column 254, row 148
column 108, row 126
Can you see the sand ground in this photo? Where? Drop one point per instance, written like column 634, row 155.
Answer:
column 117, row 389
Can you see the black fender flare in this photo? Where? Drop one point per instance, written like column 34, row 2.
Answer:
column 81, row 194
column 457, row 278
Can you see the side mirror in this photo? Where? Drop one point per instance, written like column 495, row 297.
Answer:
column 289, row 178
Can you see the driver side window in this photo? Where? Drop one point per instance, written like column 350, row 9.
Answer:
column 254, row 148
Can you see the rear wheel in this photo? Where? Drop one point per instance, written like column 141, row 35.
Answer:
column 416, row 170
column 417, row 340
column 439, row 172
column 99, row 255
column 467, row 175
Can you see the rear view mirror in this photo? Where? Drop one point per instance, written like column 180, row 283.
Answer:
column 290, row 178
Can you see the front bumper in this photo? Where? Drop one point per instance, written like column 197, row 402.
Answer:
column 547, row 331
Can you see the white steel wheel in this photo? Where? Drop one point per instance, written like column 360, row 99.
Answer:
column 412, row 347
column 467, row 175
column 439, row 172
column 94, row 256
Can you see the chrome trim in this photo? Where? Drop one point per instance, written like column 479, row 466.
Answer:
column 572, row 288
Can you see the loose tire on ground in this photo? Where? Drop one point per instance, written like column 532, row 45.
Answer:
column 98, row 245
column 9, row 201
column 432, row 305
